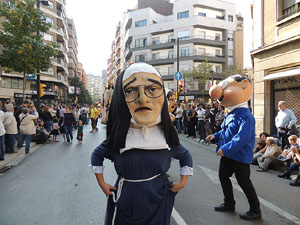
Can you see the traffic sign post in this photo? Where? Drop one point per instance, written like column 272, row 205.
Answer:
column 178, row 76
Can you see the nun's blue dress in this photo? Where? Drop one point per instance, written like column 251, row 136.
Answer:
column 144, row 197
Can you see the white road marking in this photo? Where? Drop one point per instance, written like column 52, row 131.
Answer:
column 179, row 220
column 214, row 177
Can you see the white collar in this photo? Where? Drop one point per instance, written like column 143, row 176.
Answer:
column 241, row 105
column 145, row 138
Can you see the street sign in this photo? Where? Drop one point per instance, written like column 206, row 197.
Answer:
column 30, row 76
column 178, row 76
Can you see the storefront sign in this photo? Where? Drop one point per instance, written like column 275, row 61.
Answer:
column 20, row 95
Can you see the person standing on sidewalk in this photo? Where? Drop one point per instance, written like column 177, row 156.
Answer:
column 236, row 142
column 27, row 128
column 178, row 117
column 284, row 121
column 2, row 133
column 11, row 129
column 201, row 129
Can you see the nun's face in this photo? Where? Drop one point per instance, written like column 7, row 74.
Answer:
column 144, row 96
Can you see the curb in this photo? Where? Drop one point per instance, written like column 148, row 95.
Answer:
column 12, row 160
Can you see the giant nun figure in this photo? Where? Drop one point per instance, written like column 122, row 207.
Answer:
column 141, row 140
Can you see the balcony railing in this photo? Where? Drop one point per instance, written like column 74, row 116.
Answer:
column 288, row 15
column 186, row 38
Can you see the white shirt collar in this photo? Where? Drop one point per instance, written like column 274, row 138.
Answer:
column 241, row 105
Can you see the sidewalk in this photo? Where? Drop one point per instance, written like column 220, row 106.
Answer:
column 12, row 160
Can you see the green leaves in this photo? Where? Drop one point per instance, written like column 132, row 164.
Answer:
column 23, row 49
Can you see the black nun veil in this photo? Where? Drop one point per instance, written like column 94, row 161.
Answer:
column 119, row 120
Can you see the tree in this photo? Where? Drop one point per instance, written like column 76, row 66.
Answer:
column 84, row 97
column 24, row 51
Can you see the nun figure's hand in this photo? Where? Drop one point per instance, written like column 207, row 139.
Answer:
column 176, row 186
column 107, row 188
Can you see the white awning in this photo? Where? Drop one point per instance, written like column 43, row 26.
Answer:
column 279, row 75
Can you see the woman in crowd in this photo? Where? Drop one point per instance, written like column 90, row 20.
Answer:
column 192, row 122
column 207, row 120
column 2, row 133
column 140, row 141
column 68, row 122
column 219, row 118
column 11, row 129
column 27, row 128
column 47, row 118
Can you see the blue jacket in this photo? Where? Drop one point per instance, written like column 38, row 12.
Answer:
column 237, row 137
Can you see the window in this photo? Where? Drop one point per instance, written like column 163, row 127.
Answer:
column 15, row 83
column 183, row 35
column 141, row 23
column 230, row 37
column 140, row 42
column 141, row 58
column 50, row 5
column 220, row 17
column 218, row 52
column 230, row 18
column 218, row 69
column 6, row 82
column 170, row 70
column 201, row 34
column 156, row 56
column 183, row 52
column 230, row 52
column 201, row 51
column 171, row 54
column 170, row 37
column 201, row 14
column 48, row 37
column 217, row 37
column 156, row 41
column 49, row 20
column 182, row 15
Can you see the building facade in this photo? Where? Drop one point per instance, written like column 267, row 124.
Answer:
column 275, row 59
column 56, row 78
column 96, row 86
column 206, row 30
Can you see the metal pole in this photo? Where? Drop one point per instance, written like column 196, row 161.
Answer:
column 177, row 64
column 38, row 81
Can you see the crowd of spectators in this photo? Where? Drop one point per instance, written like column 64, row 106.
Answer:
column 198, row 121
column 19, row 124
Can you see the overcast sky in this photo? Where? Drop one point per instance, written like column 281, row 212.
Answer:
column 96, row 21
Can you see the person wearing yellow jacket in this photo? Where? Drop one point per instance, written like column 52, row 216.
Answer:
column 94, row 114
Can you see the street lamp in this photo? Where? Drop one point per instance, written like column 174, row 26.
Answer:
column 38, row 80
column 212, row 77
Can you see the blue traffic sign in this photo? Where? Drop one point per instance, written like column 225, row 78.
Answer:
column 178, row 76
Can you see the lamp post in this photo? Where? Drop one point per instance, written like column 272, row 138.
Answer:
column 38, row 80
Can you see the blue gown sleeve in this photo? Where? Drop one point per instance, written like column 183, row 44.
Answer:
column 99, row 154
column 185, row 159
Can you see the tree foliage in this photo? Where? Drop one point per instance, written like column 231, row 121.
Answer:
column 84, row 97
column 24, row 51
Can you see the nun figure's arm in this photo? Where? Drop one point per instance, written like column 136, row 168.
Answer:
column 97, row 167
column 186, row 166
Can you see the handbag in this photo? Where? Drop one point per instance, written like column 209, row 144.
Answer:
column 22, row 129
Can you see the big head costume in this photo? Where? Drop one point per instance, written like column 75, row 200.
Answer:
column 236, row 142
column 140, row 151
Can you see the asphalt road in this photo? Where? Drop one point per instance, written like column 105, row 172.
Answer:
column 54, row 186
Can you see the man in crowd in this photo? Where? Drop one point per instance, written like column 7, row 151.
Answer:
column 178, row 117
column 284, row 121
column 200, row 116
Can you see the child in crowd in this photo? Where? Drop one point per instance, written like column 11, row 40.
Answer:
column 55, row 129
column 80, row 132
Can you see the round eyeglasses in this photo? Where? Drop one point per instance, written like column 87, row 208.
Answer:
column 151, row 91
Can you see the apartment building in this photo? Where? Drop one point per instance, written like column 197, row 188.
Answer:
column 275, row 59
column 73, row 52
column 206, row 30
column 96, row 86
column 56, row 78
column 82, row 75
